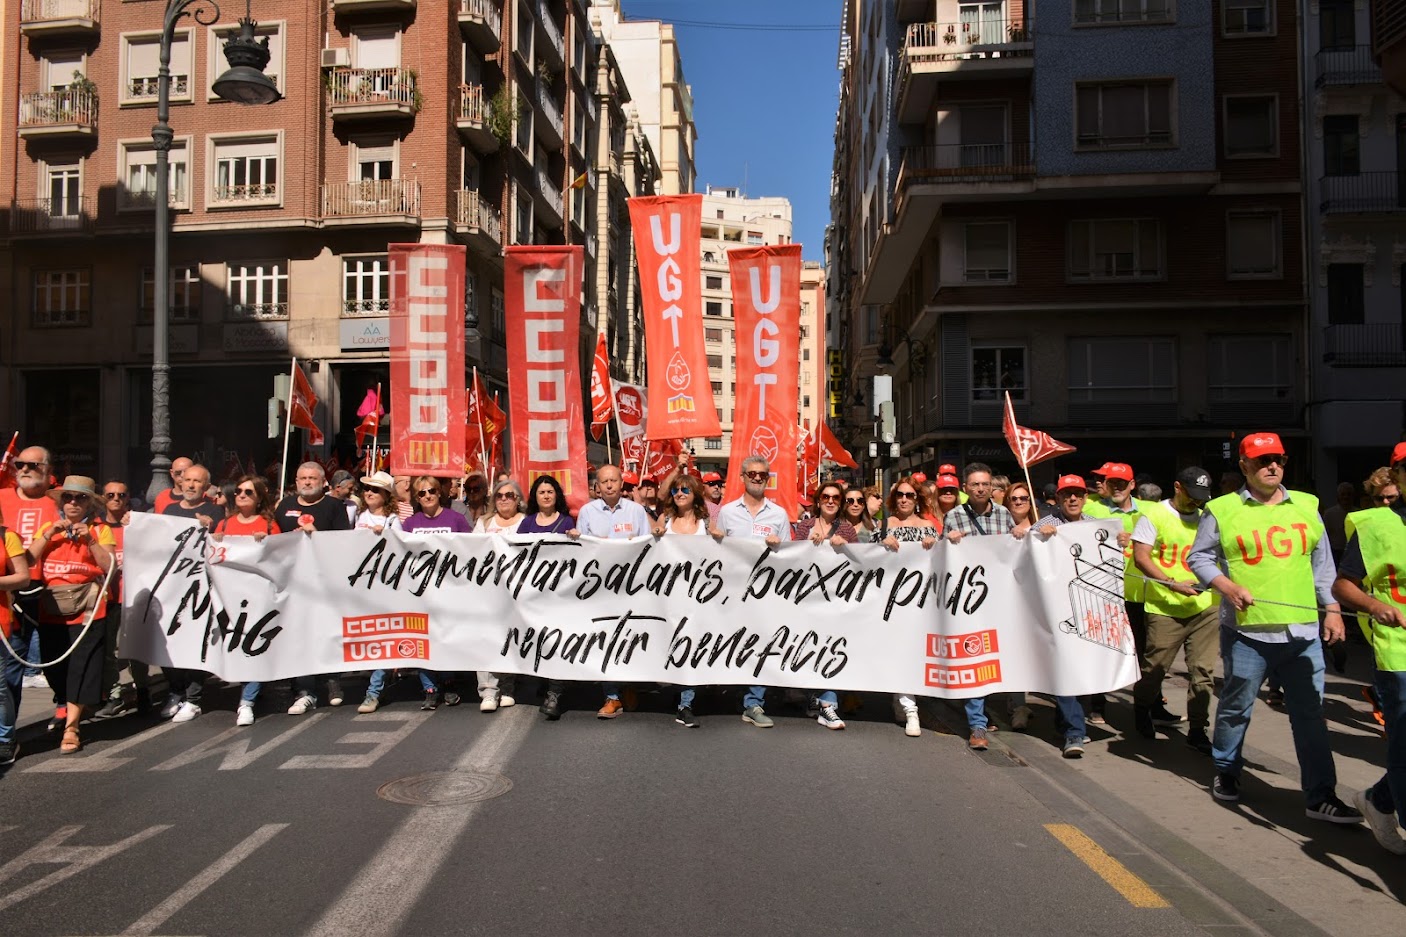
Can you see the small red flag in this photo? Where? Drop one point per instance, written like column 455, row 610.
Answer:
column 831, row 449
column 7, row 463
column 602, row 393
column 1031, row 446
column 301, row 404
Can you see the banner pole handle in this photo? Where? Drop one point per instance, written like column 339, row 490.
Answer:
column 482, row 452
column 287, row 427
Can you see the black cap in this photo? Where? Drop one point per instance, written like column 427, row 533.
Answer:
column 1196, row 482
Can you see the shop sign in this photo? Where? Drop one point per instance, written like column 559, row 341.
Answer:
column 365, row 334
column 256, row 336
column 835, row 380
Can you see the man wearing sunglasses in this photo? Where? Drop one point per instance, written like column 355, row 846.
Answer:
column 122, row 696
column 1264, row 550
column 754, row 517
column 27, row 507
column 1369, row 581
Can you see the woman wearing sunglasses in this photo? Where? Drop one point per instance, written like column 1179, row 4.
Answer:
column 378, row 492
column 949, row 495
column 251, row 511
column 1022, row 507
column 1381, row 489
column 829, row 524
column 905, row 522
column 855, row 511
column 685, row 513
column 497, row 690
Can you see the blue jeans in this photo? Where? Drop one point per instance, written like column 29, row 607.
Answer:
column 1389, row 794
column 1071, row 718
column 1298, row 664
column 828, row 696
column 976, row 713
column 686, row 695
column 378, row 683
column 13, row 677
column 755, row 696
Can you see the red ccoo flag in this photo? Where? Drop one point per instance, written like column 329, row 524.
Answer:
column 7, row 463
column 602, row 391
column 301, row 403
column 1031, row 446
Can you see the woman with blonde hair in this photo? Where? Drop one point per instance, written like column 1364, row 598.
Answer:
column 496, row 690
column 1381, row 488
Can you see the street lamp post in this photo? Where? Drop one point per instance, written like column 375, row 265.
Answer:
column 244, row 83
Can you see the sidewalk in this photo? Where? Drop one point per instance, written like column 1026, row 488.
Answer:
column 1336, row 878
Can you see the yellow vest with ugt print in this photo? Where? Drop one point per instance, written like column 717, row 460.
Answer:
column 1382, row 537
column 1133, row 586
column 1174, row 539
column 1268, row 549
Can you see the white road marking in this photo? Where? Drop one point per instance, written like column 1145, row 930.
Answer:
column 379, row 900
column 383, row 742
column 104, row 760
column 73, row 859
column 234, row 742
column 149, row 922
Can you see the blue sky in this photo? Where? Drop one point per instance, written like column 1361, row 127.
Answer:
column 764, row 99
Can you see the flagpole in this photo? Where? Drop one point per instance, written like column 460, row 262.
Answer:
column 491, row 480
column 287, row 426
column 1020, row 453
column 482, row 452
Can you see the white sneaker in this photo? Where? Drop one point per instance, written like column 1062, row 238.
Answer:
column 302, row 704
column 504, row 701
column 910, row 724
column 173, row 706
column 1020, row 718
column 245, row 716
column 334, row 693
column 186, row 713
column 36, row 682
column 489, row 703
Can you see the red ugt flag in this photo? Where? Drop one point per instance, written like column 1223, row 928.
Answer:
column 602, row 397
column 831, row 449
column 302, row 401
column 1030, row 446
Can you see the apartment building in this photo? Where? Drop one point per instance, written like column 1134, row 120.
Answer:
column 1389, row 41
column 1097, row 210
column 469, row 122
column 1356, row 197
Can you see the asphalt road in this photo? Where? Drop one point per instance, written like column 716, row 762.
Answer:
column 637, row 825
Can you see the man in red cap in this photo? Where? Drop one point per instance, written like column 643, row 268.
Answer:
column 713, row 492
column 1263, row 549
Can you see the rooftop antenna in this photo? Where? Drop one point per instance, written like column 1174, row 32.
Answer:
column 744, row 178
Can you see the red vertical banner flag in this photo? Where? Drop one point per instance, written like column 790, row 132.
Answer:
column 301, row 404
column 428, row 402
column 766, row 304
column 667, row 234
column 602, row 397
column 542, row 291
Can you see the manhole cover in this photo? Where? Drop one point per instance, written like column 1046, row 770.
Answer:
column 445, row 788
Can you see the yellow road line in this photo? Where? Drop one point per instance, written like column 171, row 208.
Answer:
column 1139, row 893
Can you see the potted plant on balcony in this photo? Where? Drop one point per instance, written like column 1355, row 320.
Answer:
column 73, row 106
column 504, row 109
column 406, row 89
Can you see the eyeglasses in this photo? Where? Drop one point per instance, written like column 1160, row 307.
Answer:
column 115, row 495
column 905, row 494
column 70, row 497
column 854, row 501
column 1273, row 458
column 715, row 484
column 29, row 466
column 424, row 492
column 246, row 491
column 504, row 496
column 675, row 492
column 1385, row 499
column 1117, row 484
column 475, row 489
column 756, row 476
column 829, row 497
column 627, row 488
column 1071, row 494
column 1018, row 499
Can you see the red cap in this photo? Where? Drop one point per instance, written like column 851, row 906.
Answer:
column 1102, row 470
column 1071, row 481
column 947, row 468
column 711, row 477
column 920, row 477
column 650, row 480
column 1398, row 454
column 947, row 481
column 1117, row 470
column 630, row 478
column 1258, row 444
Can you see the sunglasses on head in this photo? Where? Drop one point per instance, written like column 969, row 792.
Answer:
column 29, row 466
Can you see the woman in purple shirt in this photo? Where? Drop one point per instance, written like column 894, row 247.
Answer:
column 546, row 513
column 431, row 516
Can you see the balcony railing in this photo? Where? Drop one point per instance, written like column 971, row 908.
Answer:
column 549, row 106
column 553, row 32
column 1371, row 345
column 38, row 215
column 984, row 38
column 256, row 312
column 49, row 11
column 1365, row 193
column 1352, row 66
column 966, row 162
column 365, row 308
column 254, row 193
column 483, row 22
column 70, row 106
column 472, row 212
column 548, row 191
column 368, row 197
column 139, row 89
column 472, row 105
column 392, row 86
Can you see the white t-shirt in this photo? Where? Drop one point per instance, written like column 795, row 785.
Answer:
column 493, row 524
column 368, row 521
column 701, row 531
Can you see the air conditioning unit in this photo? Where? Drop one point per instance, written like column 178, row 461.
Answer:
column 336, row 58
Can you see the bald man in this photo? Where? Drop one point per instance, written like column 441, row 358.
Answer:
column 172, row 494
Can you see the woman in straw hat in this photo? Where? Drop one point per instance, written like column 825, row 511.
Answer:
column 74, row 552
column 378, row 491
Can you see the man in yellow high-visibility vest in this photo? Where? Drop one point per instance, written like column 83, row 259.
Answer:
column 1372, row 579
column 1263, row 549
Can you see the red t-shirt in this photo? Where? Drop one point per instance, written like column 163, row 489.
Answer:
column 26, row 515
column 236, row 526
column 166, row 497
column 71, row 562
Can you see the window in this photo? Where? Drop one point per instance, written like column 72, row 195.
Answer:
column 805, row 329
column 141, row 59
column 1250, row 368
column 1121, row 370
column 216, row 64
column 754, row 237
column 1252, row 125
column 717, row 387
column 1337, row 26
column 987, row 257
column 138, row 171
column 375, row 159
column 495, row 309
column 62, row 68
column 1341, row 152
column 995, row 370
column 62, row 297
column 805, row 401
column 712, row 335
column 1252, row 245
column 523, row 134
column 1125, row 114
column 523, row 234
column 366, row 286
column 805, row 354
column 1115, row 249
column 246, row 171
column 715, row 361
column 63, row 194
column 712, row 283
column 1347, row 301
column 1094, row 12
column 1247, row 17
column 258, row 291
column 713, row 308
column 182, row 294
column 713, row 445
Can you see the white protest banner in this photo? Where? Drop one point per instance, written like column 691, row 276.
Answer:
column 981, row 616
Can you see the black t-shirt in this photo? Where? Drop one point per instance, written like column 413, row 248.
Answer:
column 1352, row 565
column 328, row 514
column 176, row 509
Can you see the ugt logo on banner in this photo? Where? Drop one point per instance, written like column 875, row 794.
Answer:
column 428, row 405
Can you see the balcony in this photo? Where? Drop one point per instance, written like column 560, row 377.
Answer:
column 993, row 47
column 1363, row 194
column 147, row 89
column 340, row 7
column 371, row 202
column 60, row 17
column 356, row 94
column 481, row 22
column 236, row 311
column 548, row 202
column 68, row 114
column 52, row 216
column 554, row 45
column 548, row 116
column 1346, row 67
column 1374, row 345
column 478, row 223
column 472, row 119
